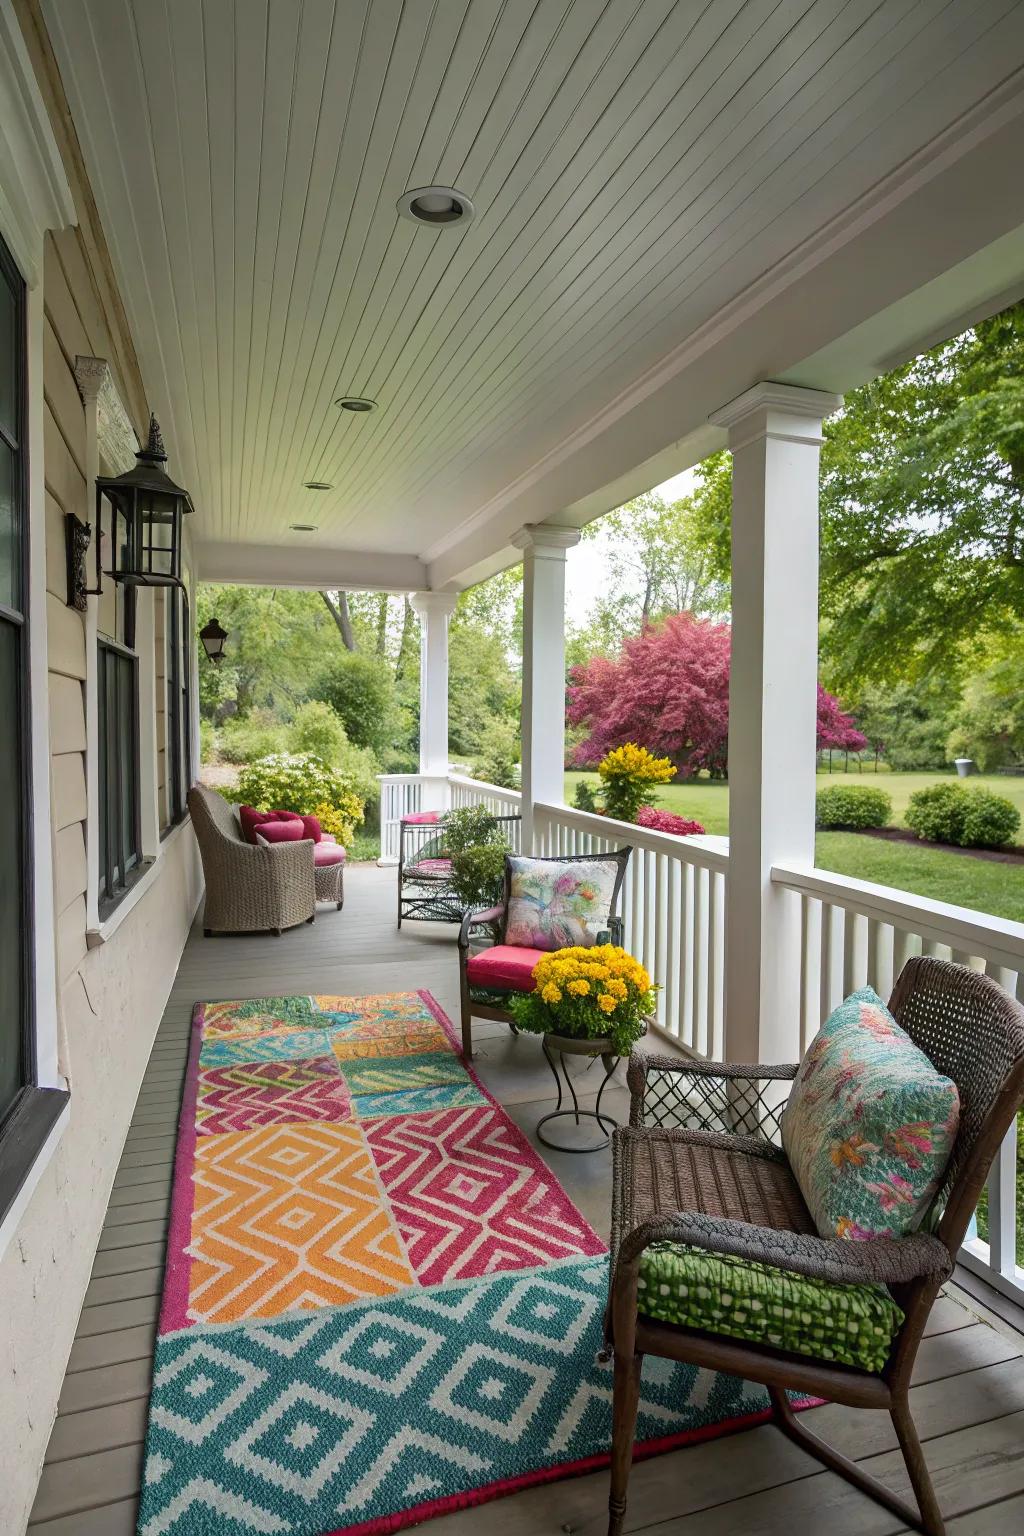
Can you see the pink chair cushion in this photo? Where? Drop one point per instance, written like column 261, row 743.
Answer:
column 281, row 831
column 328, row 853
column 504, row 968
column 421, row 818
column 312, row 828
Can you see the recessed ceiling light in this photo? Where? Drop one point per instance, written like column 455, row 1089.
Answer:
column 304, row 527
column 436, row 206
column 317, row 485
column 354, row 403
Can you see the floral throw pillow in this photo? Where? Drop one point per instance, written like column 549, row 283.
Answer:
column 553, row 905
column 869, row 1125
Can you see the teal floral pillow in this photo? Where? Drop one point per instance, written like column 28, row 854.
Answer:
column 554, row 905
column 869, row 1125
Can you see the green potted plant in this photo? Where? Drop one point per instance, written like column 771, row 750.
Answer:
column 472, row 839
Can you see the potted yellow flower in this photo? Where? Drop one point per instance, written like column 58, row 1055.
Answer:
column 600, row 994
column 586, row 1002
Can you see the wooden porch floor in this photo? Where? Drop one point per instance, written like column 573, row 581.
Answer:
column 968, row 1397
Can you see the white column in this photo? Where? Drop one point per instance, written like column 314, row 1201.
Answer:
column 434, row 609
column 543, row 710
column 775, row 437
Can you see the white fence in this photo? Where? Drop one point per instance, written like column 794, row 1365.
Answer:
column 673, row 910
column 851, row 934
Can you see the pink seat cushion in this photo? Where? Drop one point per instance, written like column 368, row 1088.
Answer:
column 432, row 866
column 504, row 968
column 328, row 853
column 421, row 818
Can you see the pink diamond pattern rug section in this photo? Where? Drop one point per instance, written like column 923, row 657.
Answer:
column 379, row 1303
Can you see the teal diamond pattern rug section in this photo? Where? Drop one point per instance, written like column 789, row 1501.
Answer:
column 319, row 1421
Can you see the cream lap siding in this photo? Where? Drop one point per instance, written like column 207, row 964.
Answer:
column 64, row 475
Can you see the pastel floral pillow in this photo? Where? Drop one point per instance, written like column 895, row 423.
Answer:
column 554, row 905
column 869, row 1125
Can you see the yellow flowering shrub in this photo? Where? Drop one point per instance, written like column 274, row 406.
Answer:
column 629, row 773
column 595, row 993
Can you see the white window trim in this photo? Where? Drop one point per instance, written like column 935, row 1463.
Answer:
column 34, row 197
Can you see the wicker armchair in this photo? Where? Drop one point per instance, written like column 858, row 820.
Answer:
column 249, row 889
column 700, row 1165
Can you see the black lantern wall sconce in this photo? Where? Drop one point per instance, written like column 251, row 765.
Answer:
column 213, row 638
column 143, row 546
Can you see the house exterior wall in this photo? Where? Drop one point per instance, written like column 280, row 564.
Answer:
column 112, row 981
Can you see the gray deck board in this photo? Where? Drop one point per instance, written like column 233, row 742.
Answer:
column 968, row 1394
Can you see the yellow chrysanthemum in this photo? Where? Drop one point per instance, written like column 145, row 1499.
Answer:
column 550, row 993
column 579, row 987
column 606, row 1002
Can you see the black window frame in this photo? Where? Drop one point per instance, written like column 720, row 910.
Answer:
column 120, row 858
column 28, row 1120
column 178, row 714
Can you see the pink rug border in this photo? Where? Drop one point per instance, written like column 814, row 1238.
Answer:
column 178, row 1261
column 384, row 1525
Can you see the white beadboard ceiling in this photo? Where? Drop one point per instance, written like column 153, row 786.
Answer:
column 635, row 166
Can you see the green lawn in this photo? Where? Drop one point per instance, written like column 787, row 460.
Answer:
column 981, row 884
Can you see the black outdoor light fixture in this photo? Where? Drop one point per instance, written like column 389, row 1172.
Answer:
column 213, row 638
column 144, row 544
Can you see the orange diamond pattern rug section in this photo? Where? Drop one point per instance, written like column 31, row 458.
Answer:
column 379, row 1303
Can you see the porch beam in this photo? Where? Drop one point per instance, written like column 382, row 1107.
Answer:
column 309, row 565
column 434, row 611
column 544, row 549
column 775, row 437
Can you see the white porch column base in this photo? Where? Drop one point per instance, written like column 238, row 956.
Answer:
column 434, row 609
column 543, row 709
column 775, row 437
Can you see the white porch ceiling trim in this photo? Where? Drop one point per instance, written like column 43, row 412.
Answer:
column 292, row 565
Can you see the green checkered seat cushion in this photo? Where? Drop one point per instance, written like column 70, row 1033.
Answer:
column 848, row 1324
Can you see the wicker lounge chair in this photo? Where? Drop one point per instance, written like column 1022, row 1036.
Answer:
column 249, row 889
column 699, row 1165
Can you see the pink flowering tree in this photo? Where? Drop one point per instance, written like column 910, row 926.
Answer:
column 668, row 690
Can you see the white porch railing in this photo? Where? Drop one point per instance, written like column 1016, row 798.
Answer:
column 852, row 934
column 410, row 794
column 673, row 910
column 856, row 934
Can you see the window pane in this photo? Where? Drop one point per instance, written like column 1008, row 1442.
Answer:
column 10, row 593
column 12, row 931
column 10, row 342
column 126, row 753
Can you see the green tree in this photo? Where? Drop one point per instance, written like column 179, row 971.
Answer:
column 361, row 690
column 277, row 637
column 988, row 723
column 923, row 506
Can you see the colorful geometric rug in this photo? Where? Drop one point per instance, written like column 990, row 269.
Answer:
column 379, row 1303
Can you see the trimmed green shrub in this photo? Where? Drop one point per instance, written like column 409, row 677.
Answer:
column 478, row 874
column 207, row 742
column 991, row 820
column 585, row 796
column 318, row 728
column 973, row 818
column 852, row 805
column 937, row 813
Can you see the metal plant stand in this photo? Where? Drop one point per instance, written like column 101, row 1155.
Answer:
column 570, row 1047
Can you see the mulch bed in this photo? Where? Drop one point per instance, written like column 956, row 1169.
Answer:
column 903, row 835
